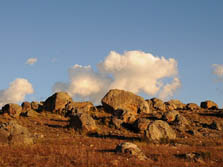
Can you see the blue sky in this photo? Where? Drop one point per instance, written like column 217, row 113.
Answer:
column 63, row 33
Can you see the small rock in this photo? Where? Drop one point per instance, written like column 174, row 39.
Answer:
column 170, row 116
column 192, row 106
column 117, row 123
column 130, row 149
column 158, row 104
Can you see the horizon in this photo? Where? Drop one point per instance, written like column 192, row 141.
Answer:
column 168, row 50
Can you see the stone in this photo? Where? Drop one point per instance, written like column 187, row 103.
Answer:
column 182, row 123
column 36, row 106
column 209, row 105
column 170, row 116
column 192, row 106
column 26, row 106
column 141, row 124
column 117, row 123
column 158, row 104
column 128, row 117
column 79, row 107
column 159, row 131
column 57, row 102
column 83, row 123
column 119, row 99
column 175, row 104
column 15, row 134
column 12, row 109
column 32, row 113
column 215, row 125
column 130, row 149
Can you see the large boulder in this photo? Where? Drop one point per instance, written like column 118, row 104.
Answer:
column 209, row 105
column 83, row 123
column 13, row 133
column 117, row 99
column 130, row 149
column 12, row 109
column 159, row 131
column 57, row 102
column 175, row 104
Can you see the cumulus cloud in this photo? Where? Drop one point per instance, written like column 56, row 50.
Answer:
column 134, row 71
column 84, row 83
column 217, row 69
column 16, row 92
column 31, row 61
column 170, row 88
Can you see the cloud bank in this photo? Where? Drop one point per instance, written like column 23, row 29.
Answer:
column 217, row 70
column 134, row 71
column 16, row 92
column 31, row 61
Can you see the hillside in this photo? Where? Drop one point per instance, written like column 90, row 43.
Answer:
column 61, row 132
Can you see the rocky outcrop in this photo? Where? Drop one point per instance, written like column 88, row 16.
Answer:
column 83, row 123
column 159, row 131
column 13, row 133
column 57, row 102
column 130, row 149
column 12, row 109
column 209, row 105
column 119, row 99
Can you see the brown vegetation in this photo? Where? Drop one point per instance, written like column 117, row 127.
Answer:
column 56, row 144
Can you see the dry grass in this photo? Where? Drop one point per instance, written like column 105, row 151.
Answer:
column 65, row 147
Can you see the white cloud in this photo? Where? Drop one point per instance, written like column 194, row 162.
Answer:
column 16, row 92
column 218, row 70
column 170, row 88
column 84, row 83
column 134, row 71
column 31, row 61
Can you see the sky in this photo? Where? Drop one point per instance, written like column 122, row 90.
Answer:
column 167, row 49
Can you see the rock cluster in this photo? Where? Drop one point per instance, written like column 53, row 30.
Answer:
column 154, row 120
